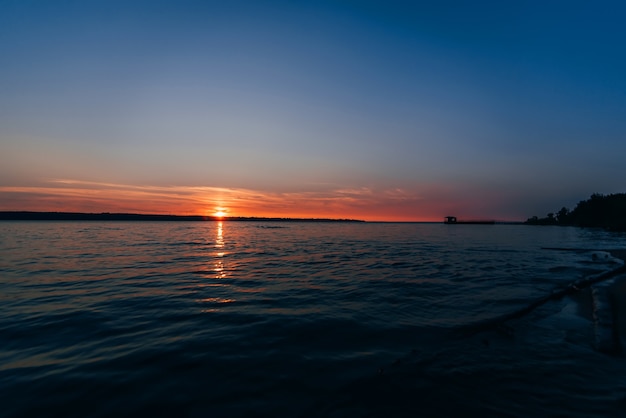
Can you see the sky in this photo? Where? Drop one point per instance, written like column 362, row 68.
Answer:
column 374, row 110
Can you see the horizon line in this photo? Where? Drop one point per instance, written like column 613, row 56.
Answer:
column 133, row 216
column 63, row 215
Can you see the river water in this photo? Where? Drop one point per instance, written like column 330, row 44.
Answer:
column 299, row 319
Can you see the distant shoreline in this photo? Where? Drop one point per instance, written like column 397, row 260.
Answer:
column 80, row 216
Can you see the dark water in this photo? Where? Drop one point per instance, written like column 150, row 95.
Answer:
column 298, row 319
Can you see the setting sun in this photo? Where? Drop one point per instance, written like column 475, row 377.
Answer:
column 220, row 213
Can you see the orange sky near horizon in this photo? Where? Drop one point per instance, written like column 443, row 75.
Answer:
column 365, row 204
column 380, row 111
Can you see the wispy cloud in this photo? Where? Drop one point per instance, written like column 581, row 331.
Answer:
column 80, row 195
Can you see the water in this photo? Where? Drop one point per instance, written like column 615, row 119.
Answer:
column 298, row 319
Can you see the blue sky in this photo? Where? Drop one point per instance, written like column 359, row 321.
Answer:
column 376, row 110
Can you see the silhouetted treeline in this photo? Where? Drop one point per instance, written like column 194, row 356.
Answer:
column 600, row 211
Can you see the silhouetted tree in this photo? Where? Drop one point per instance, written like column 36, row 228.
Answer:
column 562, row 215
column 601, row 211
column 604, row 211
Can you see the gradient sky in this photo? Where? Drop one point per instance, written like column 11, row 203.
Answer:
column 346, row 109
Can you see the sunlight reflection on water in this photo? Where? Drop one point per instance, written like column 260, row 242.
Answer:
column 267, row 312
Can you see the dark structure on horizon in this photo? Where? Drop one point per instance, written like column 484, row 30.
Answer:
column 452, row 220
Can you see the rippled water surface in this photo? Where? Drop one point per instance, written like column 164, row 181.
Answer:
column 295, row 319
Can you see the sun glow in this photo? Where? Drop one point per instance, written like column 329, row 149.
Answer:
column 360, row 203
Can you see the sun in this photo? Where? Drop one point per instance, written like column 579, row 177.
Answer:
column 220, row 213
